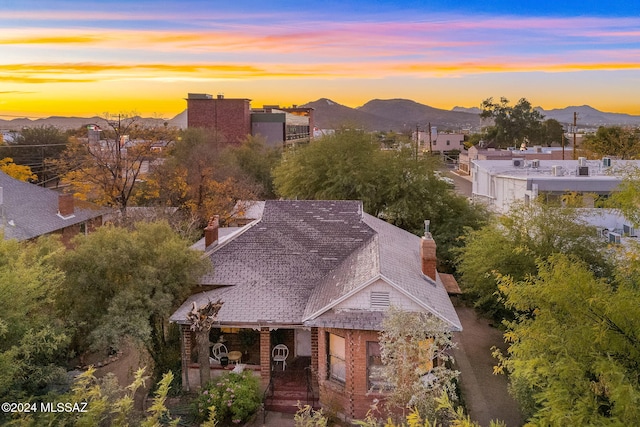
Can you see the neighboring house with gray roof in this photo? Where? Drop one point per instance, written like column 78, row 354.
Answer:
column 28, row 211
column 320, row 275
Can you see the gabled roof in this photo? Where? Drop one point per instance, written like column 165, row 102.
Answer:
column 29, row 211
column 302, row 257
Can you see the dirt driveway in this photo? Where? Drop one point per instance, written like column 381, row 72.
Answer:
column 484, row 393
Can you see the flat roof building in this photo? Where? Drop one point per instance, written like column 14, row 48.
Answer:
column 500, row 183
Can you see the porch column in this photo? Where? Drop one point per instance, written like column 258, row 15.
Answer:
column 265, row 356
column 185, row 347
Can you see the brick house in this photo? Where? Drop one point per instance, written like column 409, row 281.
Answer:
column 318, row 277
column 28, row 211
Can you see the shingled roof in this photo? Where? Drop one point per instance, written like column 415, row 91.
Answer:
column 28, row 211
column 301, row 258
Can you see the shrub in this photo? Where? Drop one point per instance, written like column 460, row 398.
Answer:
column 235, row 396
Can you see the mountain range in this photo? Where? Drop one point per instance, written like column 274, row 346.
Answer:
column 376, row 115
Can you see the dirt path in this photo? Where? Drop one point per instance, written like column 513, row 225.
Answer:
column 484, row 393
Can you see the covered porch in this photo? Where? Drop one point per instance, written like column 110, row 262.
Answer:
column 251, row 347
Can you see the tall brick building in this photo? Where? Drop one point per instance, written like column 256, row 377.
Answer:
column 234, row 119
column 231, row 117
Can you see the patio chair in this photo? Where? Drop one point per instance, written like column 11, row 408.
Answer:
column 280, row 354
column 218, row 350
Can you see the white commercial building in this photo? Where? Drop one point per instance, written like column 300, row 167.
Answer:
column 500, row 183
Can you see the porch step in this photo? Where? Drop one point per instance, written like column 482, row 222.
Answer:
column 286, row 400
column 289, row 406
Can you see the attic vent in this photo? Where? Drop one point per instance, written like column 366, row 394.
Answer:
column 380, row 300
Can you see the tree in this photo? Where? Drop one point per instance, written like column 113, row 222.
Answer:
column 574, row 347
column 33, row 341
column 553, row 132
column 395, row 185
column 255, row 160
column 414, row 348
column 627, row 198
column 102, row 402
column 36, row 147
column 107, row 170
column 19, row 172
column 512, row 125
column 123, row 283
column 513, row 244
column 623, row 142
column 202, row 320
column 198, row 178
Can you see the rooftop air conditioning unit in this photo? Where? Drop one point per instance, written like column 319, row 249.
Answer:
column 583, row 171
column 556, row 170
column 614, row 237
column 518, row 163
column 628, row 230
column 535, row 163
column 537, row 149
column 606, row 162
column 582, row 161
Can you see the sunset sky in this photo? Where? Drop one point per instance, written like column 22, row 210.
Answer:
column 89, row 57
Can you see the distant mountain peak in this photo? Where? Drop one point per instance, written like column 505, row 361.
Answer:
column 472, row 110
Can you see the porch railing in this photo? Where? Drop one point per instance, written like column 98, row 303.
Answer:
column 268, row 392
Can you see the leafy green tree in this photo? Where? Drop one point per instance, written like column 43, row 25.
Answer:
column 255, row 160
column 395, row 185
column 627, row 198
column 574, row 346
column 623, row 142
column 102, row 403
column 123, row 283
column 512, row 125
column 513, row 244
column 33, row 342
column 415, row 350
column 552, row 132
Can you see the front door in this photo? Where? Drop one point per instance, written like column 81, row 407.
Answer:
column 303, row 342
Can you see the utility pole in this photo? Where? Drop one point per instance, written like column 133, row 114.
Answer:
column 575, row 124
column 417, row 140
column 430, row 147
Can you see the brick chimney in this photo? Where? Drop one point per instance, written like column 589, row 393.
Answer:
column 211, row 231
column 428, row 259
column 65, row 204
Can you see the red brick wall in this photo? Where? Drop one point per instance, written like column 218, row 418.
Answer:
column 230, row 117
column 68, row 233
column 351, row 399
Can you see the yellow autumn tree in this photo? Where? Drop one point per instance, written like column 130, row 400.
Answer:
column 20, row 172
